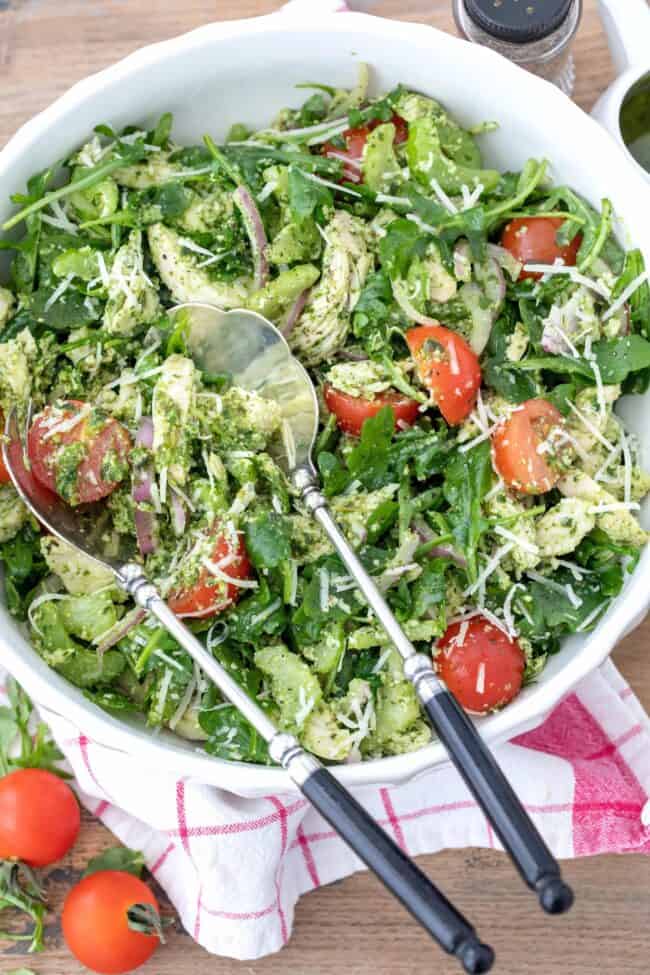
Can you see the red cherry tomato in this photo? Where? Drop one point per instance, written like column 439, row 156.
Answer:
column 39, row 817
column 515, row 446
column 355, row 142
column 482, row 667
column 532, row 240
column 447, row 365
column 352, row 411
column 210, row 595
column 4, row 473
column 78, row 461
column 95, row 924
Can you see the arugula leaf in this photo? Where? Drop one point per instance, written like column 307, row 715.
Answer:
column 247, row 622
column 268, row 540
column 561, row 395
column 381, row 109
column 426, row 450
column 467, row 480
column 21, row 891
column 71, row 310
column 402, row 242
column 369, row 461
column 508, row 381
column 618, row 357
column 109, row 700
column 306, row 196
column 333, row 474
column 381, row 520
column 312, row 111
column 371, row 320
column 231, row 736
column 160, row 135
column 122, row 155
column 639, row 300
column 20, row 745
column 429, row 592
column 116, row 858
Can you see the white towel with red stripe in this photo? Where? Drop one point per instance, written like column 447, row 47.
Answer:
column 234, row 868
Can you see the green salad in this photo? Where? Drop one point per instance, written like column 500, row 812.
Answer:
column 469, row 332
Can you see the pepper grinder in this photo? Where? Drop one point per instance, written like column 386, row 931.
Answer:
column 535, row 34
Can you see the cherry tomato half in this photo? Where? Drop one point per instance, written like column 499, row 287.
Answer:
column 80, row 461
column 532, row 240
column 355, row 142
column 448, row 366
column 210, row 595
column 480, row 664
column 352, row 411
column 39, row 817
column 95, row 924
column 516, row 447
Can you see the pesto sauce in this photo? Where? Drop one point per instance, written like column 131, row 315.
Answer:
column 68, row 459
column 635, row 121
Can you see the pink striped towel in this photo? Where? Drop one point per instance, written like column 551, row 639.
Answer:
column 234, row 868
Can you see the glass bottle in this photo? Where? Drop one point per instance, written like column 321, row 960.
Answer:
column 535, row 34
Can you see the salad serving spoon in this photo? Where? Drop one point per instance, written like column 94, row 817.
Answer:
column 255, row 354
column 372, row 844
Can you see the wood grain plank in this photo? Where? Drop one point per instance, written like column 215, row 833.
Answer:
column 353, row 926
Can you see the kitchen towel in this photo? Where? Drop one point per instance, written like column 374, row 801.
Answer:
column 234, row 868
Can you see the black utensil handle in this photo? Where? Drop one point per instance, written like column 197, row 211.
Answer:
column 495, row 795
column 397, row 871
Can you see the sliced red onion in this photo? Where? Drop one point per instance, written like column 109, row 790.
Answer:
column 463, row 261
column 482, row 316
column 506, row 260
column 350, row 355
column 295, row 312
column 179, row 518
column 439, row 551
column 256, row 233
column 443, row 552
column 145, row 529
column 144, row 436
column 142, row 484
column 120, row 630
column 145, row 521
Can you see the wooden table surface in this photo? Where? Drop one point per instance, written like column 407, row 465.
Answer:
column 351, row 927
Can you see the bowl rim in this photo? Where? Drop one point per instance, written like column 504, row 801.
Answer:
column 54, row 695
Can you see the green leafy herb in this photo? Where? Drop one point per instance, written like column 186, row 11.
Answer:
column 21, row 891
column 370, row 459
column 306, row 196
column 116, row 858
column 20, row 745
column 268, row 540
column 467, row 480
column 231, row 736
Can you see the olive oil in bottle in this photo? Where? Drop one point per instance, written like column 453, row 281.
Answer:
column 635, row 121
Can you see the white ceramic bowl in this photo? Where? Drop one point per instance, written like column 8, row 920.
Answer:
column 245, row 71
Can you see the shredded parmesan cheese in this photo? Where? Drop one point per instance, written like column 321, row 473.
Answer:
column 480, row 678
column 517, row 539
column 626, row 293
column 493, row 563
